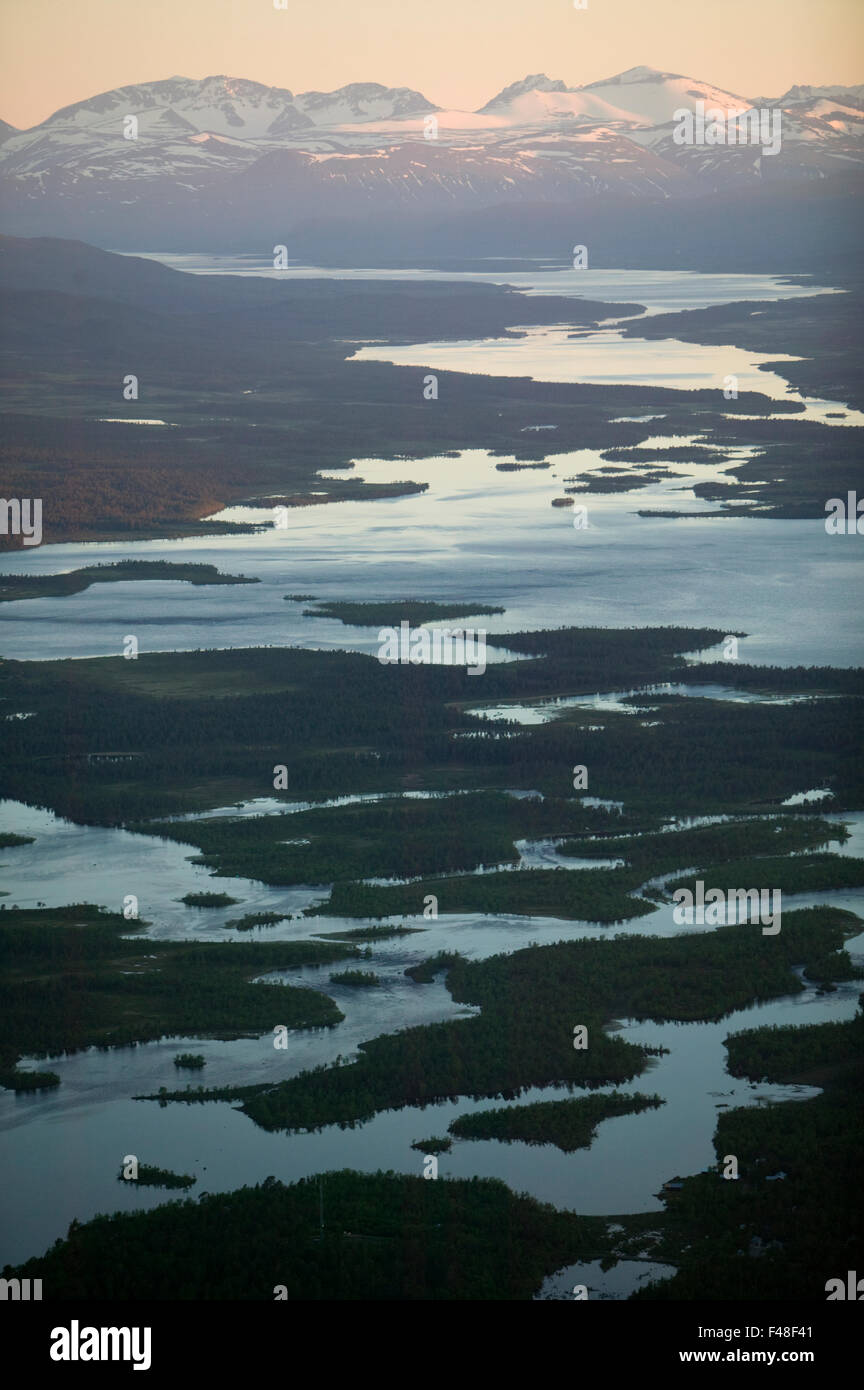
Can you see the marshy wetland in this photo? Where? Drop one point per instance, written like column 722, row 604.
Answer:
column 428, row 905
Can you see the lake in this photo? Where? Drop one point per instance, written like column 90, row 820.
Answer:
column 477, row 534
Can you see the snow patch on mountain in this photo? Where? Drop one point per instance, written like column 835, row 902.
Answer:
column 538, row 83
column 360, row 102
column 639, row 97
column 807, row 96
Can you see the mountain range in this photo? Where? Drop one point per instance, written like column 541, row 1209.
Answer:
column 224, row 161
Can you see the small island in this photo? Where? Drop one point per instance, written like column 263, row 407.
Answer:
column 359, row 978
column 411, row 610
column 15, row 1080
column 520, row 467
column 433, row 1146
column 150, row 1176
column 368, row 933
column 194, row 1061
column 208, row 900
column 257, row 919
column 568, row 1124
column 20, row 586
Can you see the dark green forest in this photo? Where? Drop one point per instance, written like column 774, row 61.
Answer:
column 530, row 1002
column 71, row 978
column 385, row 1237
column 568, row 1124
column 209, row 727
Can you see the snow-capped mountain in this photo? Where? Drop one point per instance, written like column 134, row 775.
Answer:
column 219, row 105
column 538, row 83
column 640, row 97
column 227, row 106
column 183, row 151
column 362, row 101
column 806, row 97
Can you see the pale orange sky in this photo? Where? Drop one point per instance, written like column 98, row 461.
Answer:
column 457, row 52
